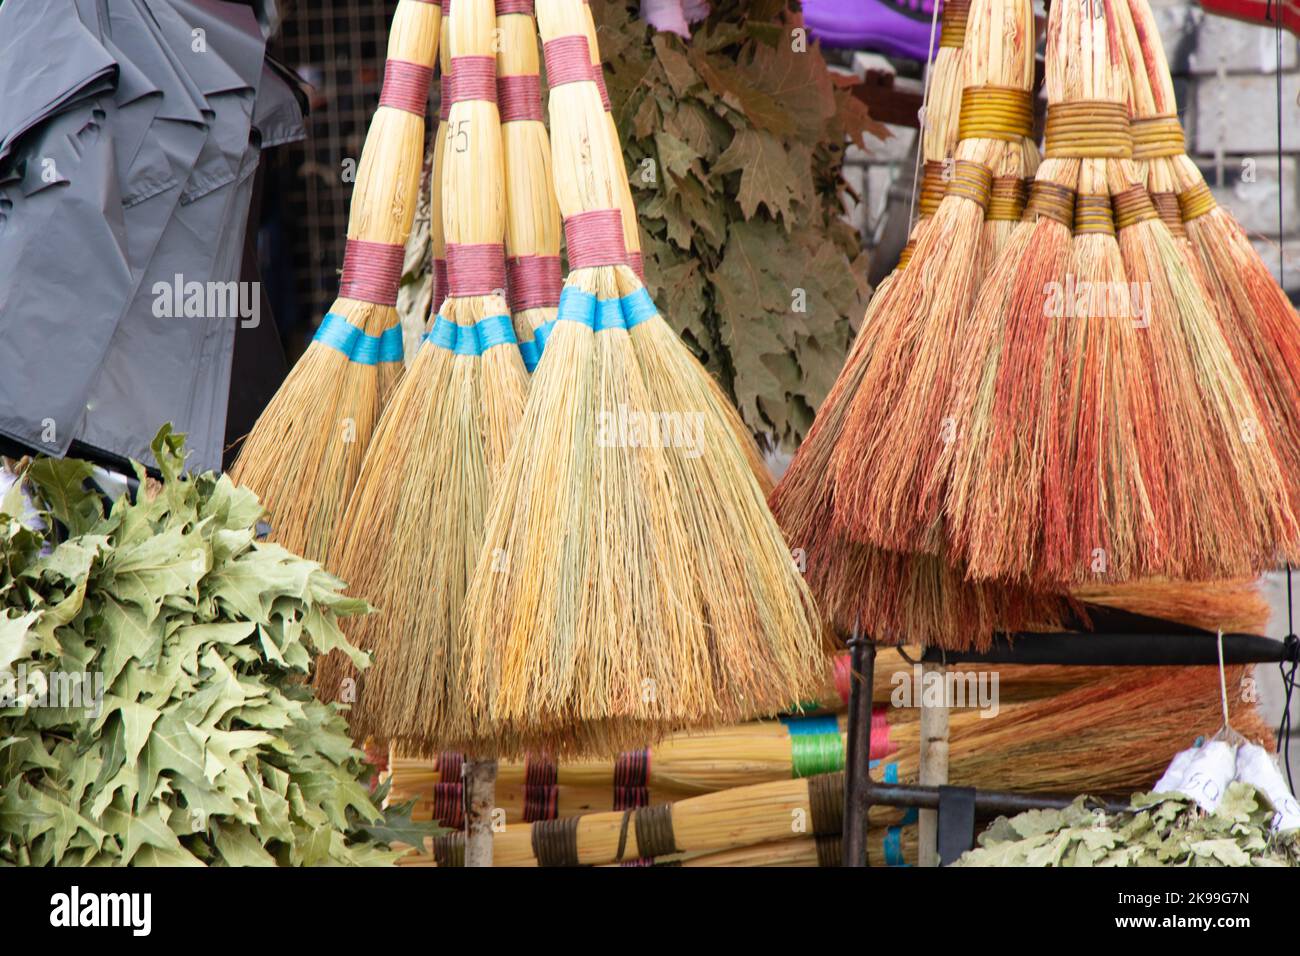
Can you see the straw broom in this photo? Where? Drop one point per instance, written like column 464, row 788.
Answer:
column 532, row 216
column 886, row 846
column 1256, row 317
column 718, row 400
column 304, row 452
column 415, row 522
column 563, row 646
column 895, row 428
column 1004, row 499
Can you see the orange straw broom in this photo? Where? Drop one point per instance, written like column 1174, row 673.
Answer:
column 304, row 452
column 1256, row 318
column 414, row 525
column 896, row 428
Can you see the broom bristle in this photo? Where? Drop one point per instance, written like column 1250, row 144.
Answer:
column 305, row 450
column 895, row 434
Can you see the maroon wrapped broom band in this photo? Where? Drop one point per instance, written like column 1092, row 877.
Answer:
column 632, row 780
column 440, row 287
column 637, row 263
column 595, row 238
column 372, row 271
column 514, row 6
column 598, row 77
column 533, row 282
column 541, row 793
column 568, row 60
column 475, row 269
column 475, row 79
column 448, row 94
column 406, row 86
column 449, row 792
column 519, row 97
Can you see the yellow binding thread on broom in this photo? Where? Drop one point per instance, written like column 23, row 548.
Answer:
column 932, row 186
column 1088, row 129
column 1007, row 199
column 996, row 112
column 971, row 180
column 955, row 14
column 1092, row 214
column 1156, row 137
column 1195, row 201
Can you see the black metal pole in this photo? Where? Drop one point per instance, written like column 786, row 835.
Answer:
column 986, row 801
column 1110, row 649
column 857, row 778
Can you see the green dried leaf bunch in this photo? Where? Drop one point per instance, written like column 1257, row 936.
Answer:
column 209, row 747
column 1163, row 829
column 735, row 144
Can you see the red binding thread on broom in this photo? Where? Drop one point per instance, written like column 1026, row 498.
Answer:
column 476, row 268
column 568, row 60
column 632, row 780
column 520, row 97
column 541, row 795
column 440, row 286
column 448, row 94
column 637, row 262
column 372, row 271
column 514, row 6
column 533, row 282
column 598, row 77
column 406, row 86
column 595, row 238
column 476, row 79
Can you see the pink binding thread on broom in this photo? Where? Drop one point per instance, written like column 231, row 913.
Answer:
column 533, row 282
column 568, row 60
column 595, row 238
column 406, row 86
column 514, row 6
column 520, row 97
column 475, row 79
column 372, row 271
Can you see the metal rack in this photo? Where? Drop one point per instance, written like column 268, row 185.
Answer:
column 1119, row 639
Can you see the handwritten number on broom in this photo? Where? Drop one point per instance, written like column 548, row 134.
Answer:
column 461, row 134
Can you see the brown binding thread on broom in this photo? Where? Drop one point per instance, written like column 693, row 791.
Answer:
column 1088, row 129
column 932, row 185
column 1133, row 206
column 1195, row 201
column 1007, row 199
column 996, row 112
column 1092, row 214
column 1052, row 201
column 654, row 830
column 971, row 180
column 1156, row 137
column 555, row 842
column 826, row 802
column 830, row 850
column 632, row 780
column 1166, row 204
column 955, row 14
column 449, row 850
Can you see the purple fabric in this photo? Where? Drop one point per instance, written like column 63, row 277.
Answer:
column 893, row 27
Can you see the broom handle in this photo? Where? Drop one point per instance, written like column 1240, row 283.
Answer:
column 586, row 171
column 387, row 186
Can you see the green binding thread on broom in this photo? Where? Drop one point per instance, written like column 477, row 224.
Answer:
column 815, row 745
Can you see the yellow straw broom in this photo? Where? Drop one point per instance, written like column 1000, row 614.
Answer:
column 414, row 525
column 304, row 452
column 605, row 615
column 533, row 218
column 632, row 241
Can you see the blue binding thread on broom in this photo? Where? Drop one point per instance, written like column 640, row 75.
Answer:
column 336, row 332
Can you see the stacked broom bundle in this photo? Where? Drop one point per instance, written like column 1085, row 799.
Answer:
column 303, row 454
column 1065, row 420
